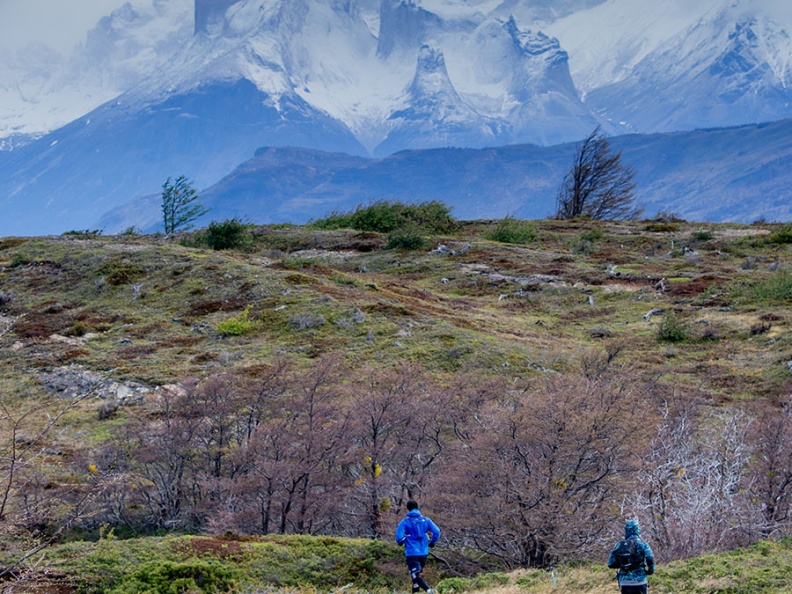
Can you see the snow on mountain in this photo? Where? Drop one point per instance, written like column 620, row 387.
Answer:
column 665, row 65
column 434, row 114
column 682, row 64
column 41, row 89
column 282, row 47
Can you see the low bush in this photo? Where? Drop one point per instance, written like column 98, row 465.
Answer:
column 776, row 288
column 702, row 235
column 671, row 329
column 408, row 238
column 231, row 234
column 170, row 577
column 457, row 585
column 124, row 274
column 511, row 230
column 385, row 216
column 662, row 227
column 592, row 235
column 237, row 325
column 211, row 565
column 89, row 233
column 782, row 236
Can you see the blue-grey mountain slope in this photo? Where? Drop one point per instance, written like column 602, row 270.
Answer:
column 739, row 174
column 66, row 179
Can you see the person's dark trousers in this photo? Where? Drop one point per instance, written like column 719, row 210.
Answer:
column 416, row 565
column 644, row 589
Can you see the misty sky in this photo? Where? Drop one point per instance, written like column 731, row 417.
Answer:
column 59, row 23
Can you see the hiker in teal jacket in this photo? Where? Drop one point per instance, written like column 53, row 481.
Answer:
column 417, row 534
column 633, row 580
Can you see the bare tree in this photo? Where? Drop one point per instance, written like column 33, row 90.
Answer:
column 544, row 467
column 694, row 488
column 772, row 467
column 598, row 185
column 400, row 426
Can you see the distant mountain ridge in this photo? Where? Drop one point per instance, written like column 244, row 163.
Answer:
column 716, row 175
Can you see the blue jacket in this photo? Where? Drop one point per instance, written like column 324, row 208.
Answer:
column 413, row 531
column 635, row 577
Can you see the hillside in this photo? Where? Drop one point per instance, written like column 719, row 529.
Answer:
column 530, row 394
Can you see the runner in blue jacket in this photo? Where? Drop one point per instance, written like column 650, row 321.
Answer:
column 414, row 533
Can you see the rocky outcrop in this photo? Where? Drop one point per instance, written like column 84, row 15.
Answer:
column 72, row 382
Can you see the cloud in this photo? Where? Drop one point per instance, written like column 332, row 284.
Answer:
column 60, row 24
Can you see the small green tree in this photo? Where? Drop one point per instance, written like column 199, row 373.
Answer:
column 179, row 207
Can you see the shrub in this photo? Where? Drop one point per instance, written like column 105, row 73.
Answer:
column 776, row 288
column 19, row 260
column 123, row 274
column 457, row 585
column 408, row 238
column 84, row 232
column 702, row 235
column 78, row 329
column 237, row 325
column 592, row 235
column 760, row 328
column 169, row 577
column 306, row 321
column 671, row 329
column 511, row 230
column 384, row 216
column 782, row 236
column 433, row 216
column 226, row 235
column 662, row 227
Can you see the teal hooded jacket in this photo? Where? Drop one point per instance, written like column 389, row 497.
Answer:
column 635, row 577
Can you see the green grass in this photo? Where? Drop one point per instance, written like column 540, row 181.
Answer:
column 206, row 564
column 324, row 564
column 765, row 568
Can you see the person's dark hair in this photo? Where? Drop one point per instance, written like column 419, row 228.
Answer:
column 411, row 505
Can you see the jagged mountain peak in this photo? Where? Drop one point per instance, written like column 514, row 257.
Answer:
column 534, row 43
column 431, row 61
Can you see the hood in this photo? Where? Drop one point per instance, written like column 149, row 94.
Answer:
column 632, row 528
column 413, row 513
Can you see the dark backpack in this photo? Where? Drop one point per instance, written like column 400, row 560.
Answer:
column 628, row 555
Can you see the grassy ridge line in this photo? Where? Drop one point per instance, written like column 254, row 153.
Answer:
column 203, row 564
column 764, row 568
column 307, row 564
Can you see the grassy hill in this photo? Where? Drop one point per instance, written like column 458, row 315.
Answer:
column 97, row 333
column 531, row 305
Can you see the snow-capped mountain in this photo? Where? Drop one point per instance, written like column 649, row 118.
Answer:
column 666, row 65
column 682, row 64
column 42, row 90
column 194, row 87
